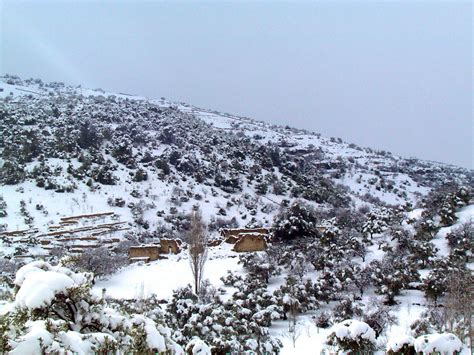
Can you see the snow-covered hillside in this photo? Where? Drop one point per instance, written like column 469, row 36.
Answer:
column 364, row 245
column 95, row 146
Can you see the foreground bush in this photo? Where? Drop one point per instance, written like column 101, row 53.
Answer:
column 352, row 335
column 54, row 311
column 443, row 343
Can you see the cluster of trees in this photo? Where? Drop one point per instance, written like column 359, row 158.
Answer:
column 334, row 244
column 236, row 325
column 445, row 201
column 199, row 317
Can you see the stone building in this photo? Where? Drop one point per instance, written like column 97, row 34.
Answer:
column 144, row 253
column 170, row 246
column 249, row 242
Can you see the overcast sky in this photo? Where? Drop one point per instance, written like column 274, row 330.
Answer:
column 392, row 76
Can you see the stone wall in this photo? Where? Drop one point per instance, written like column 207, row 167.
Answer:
column 152, row 252
column 251, row 242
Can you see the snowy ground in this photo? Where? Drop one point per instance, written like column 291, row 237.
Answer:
column 309, row 339
column 161, row 277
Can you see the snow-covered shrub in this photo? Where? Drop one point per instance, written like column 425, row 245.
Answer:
column 346, row 218
column 377, row 220
column 140, row 175
column 12, row 172
column 230, row 327
column 231, row 279
column 437, row 282
column 261, row 187
column 378, row 316
column 182, row 306
column 454, row 315
column 323, row 189
column 104, row 173
column 258, row 266
column 422, row 252
column 122, row 147
column 327, row 287
column 346, row 309
column 28, row 218
column 369, row 198
column 323, row 320
column 54, row 310
column 423, row 325
column 401, row 345
column 164, row 168
column 352, row 335
column 402, row 236
column 100, row 261
column 89, row 134
column 9, row 267
column 299, row 267
column 298, row 220
column 461, row 242
column 353, row 243
column 216, row 224
column 451, row 203
column 116, row 202
column 324, row 254
column 278, row 187
column 241, row 324
column 444, row 343
column 445, row 200
column 391, row 275
column 296, row 296
column 3, row 207
column 197, row 347
column 149, row 306
column 425, row 229
column 207, row 292
column 359, row 281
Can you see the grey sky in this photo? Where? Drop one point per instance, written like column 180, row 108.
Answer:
column 393, row 76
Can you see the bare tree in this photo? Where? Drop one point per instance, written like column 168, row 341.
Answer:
column 459, row 305
column 197, row 249
column 456, row 314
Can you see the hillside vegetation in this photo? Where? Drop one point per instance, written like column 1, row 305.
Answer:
column 368, row 251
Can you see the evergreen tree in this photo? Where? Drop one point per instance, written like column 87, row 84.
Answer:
column 297, row 221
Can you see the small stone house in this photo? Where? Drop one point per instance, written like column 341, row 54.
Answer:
column 249, row 242
column 170, row 246
column 231, row 236
column 144, row 253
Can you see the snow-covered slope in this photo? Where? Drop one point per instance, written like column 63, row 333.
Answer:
column 237, row 166
column 82, row 168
